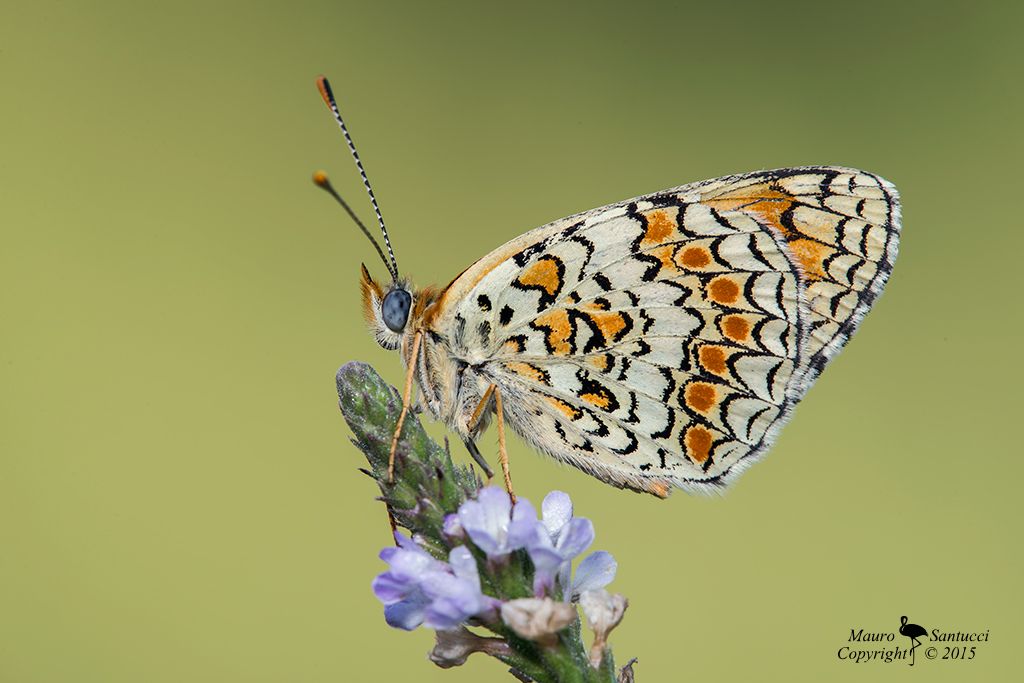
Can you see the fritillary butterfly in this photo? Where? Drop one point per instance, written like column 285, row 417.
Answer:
column 653, row 343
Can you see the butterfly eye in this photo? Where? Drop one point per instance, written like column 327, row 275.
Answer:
column 395, row 309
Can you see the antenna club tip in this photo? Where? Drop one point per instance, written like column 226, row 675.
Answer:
column 325, row 90
column 320, row 179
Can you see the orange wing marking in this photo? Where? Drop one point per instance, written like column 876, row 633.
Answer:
column 723, row 290
column 736, row 327
column 559, row 329
column 529, row 371
column 698, row 444
column 695, row 257
column 661, row 227
column 544, row 274
column 712, row 358
column 569, row 411
column 701, row 396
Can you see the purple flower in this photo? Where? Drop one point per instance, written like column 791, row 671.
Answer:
column 400, row 588
column 494, row 525
column 562, row 538
column 419, row 589
column 455, row 595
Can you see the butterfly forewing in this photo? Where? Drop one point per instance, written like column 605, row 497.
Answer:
column 663, row 340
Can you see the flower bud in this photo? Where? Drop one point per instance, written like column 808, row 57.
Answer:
column 537, row 619
column 603, row 613
column 453, row 647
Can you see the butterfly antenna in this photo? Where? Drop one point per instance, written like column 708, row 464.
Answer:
column 325, row 91
column 320, row 178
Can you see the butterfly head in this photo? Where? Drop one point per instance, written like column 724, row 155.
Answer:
column 387, row 310
column 395, row 310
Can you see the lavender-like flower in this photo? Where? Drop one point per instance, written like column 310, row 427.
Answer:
column 455, row 595
column 558, row 540
column 474, row 559
column 401, row 587
column 495, row 525
column 418, row 589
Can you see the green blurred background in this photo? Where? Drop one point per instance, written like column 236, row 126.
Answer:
column 178, row 497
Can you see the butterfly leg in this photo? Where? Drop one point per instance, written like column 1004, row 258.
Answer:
column 406, row 396
column 475, row 452
column 474, row 420
column 502, row 453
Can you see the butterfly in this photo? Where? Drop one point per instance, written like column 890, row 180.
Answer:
column 659, row 342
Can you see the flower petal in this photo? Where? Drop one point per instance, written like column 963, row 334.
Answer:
column 496, row 505
column 565, row 580
column 546, row 563
column 576, row 537
column 486, row 520
column 453, row 600
column 524, row 527
column 464, row 565
column 412, row 566
column 405, row 542
column 557, row 511
column 444, row 615
column 596, row 571
column 390, row 589
column 407, row 614
column 545, row 560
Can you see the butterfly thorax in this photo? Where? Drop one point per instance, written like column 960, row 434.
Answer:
column 451, row 385
column 451, row 379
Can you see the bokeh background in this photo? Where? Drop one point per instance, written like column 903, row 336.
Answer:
column 178, row 497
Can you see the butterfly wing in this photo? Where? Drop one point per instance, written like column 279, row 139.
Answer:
column 664, row 340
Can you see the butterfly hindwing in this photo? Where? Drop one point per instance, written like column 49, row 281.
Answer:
column 663, row 340
column 842, row 227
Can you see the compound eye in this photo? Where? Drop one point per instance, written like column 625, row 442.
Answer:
column 395, row 309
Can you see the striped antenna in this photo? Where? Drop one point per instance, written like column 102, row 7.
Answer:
column 321, row 181
column 325, row 91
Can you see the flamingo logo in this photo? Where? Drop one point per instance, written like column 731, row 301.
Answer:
column 912, row 631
